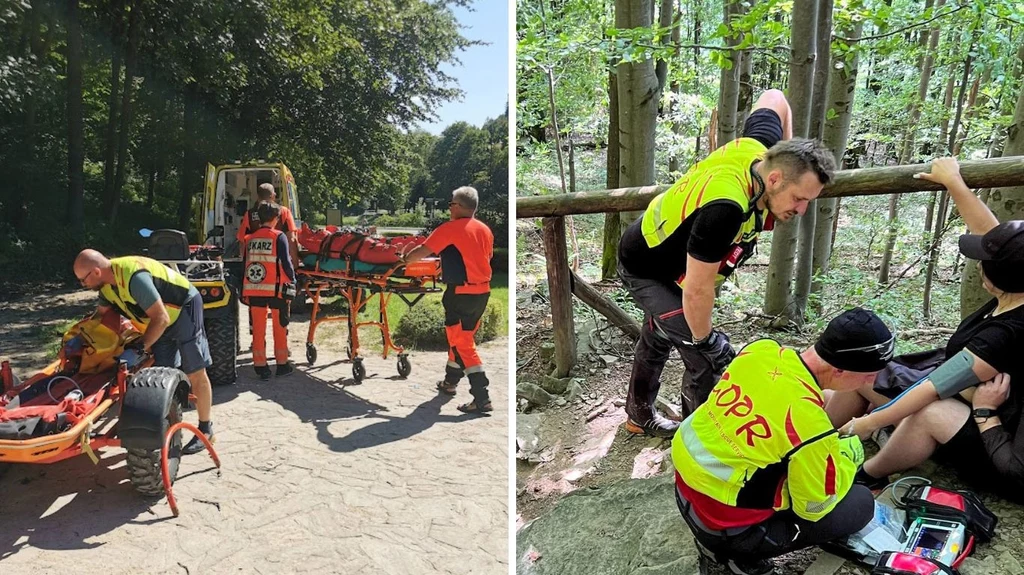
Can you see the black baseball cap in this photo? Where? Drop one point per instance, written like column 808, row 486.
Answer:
column 1004, row 242
column 856, row 340
column 1001, row 253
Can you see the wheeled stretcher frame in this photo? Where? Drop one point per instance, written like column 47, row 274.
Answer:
column 409, row 282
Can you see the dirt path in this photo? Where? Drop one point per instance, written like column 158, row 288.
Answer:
column 318, row 476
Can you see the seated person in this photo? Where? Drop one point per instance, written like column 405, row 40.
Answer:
column 944, row 413
column 760, row 469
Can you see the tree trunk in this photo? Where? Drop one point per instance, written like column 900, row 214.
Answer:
column 1006, row 203
column 940, row 218
column 189, row 176
column 729, row 89
column 836, row 132
column 76, row 136
column 947, row 104
column 820, row 103
column 746, row 98
column 150, row 186
column 639, row 92
column 125, row 135
column 892, row 222
column 800, row 92
column 110, row 140
column 674, row 88
column 929, row 43
column 612, row 231
column 808, row 222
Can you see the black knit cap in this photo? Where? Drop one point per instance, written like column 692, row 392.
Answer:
column 856, row 340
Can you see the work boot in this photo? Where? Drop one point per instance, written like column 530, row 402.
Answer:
column 735, row 566
column 197, row 445
column 656, row 426
column 263, row 371
column 286, row 368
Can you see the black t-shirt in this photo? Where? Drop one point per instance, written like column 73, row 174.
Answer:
column 997, row 340
column 708, row 232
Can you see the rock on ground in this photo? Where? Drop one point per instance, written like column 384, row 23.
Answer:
column 625, row 528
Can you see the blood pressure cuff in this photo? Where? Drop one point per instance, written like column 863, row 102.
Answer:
column 958, row 506
column 954, row 375
column 899, row 563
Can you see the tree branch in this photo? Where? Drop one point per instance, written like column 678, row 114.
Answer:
column 898, row 30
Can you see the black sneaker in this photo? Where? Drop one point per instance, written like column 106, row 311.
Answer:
column 286, row 368
column 263, row 371
column 872, row 483
column 735, row 566
column 197, row 445
column 657, row 426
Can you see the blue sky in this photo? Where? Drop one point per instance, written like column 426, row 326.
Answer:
column 483, row 75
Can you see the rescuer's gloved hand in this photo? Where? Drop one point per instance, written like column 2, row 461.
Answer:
column 851, row 448
column 717, row 350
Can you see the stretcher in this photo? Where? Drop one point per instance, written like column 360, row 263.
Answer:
column 65, row 411
column 336, row 270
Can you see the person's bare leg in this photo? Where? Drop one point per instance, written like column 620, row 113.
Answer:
column 204, row 393
column 842, row 406
column 917, row 436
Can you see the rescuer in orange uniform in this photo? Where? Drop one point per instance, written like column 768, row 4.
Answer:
column 465, row 245
column 269, row 282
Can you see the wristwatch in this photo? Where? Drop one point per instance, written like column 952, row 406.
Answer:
column 983, row 412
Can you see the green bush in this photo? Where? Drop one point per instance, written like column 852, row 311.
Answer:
column 406, row 220
column 422, row 326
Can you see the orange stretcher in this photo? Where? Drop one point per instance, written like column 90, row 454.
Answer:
column 94, row 419
column 359, row 284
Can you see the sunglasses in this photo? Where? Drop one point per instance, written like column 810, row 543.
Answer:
column 81, row 280
column 885, row 345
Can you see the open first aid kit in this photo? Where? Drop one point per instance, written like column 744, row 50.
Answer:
column 926, row 531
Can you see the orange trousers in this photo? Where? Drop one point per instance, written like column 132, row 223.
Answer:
column 462, row 318
column 259, row 335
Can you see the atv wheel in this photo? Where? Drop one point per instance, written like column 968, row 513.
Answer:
column 144, row 464
column 222, row 335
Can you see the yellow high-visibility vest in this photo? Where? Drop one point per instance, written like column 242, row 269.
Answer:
column 172, row 286
column 724, row 176
column 762, row 440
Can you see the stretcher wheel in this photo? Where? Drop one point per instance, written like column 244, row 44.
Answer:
column 310, row 353
column 358, row 370
column 404, row 367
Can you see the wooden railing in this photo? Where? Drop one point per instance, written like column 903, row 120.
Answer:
column 562, row 283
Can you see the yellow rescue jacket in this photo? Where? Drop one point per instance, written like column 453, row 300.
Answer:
column 172, row 286
column 763, row 439
column 724, row 176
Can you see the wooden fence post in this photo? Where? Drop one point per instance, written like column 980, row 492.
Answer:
column 560, row 286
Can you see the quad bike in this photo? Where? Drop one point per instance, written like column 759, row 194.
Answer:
column 203, row 267
column 99, row 394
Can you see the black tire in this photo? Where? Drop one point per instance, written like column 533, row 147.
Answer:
column 222, row 335
column 358, row 370
column 404, row 367
column 310, row 353
column 144, row 464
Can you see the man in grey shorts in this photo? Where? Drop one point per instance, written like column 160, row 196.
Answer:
column 167, row 309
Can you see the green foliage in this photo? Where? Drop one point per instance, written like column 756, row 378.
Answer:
column 423, row 325
column 406, row 220
column 332, row 88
